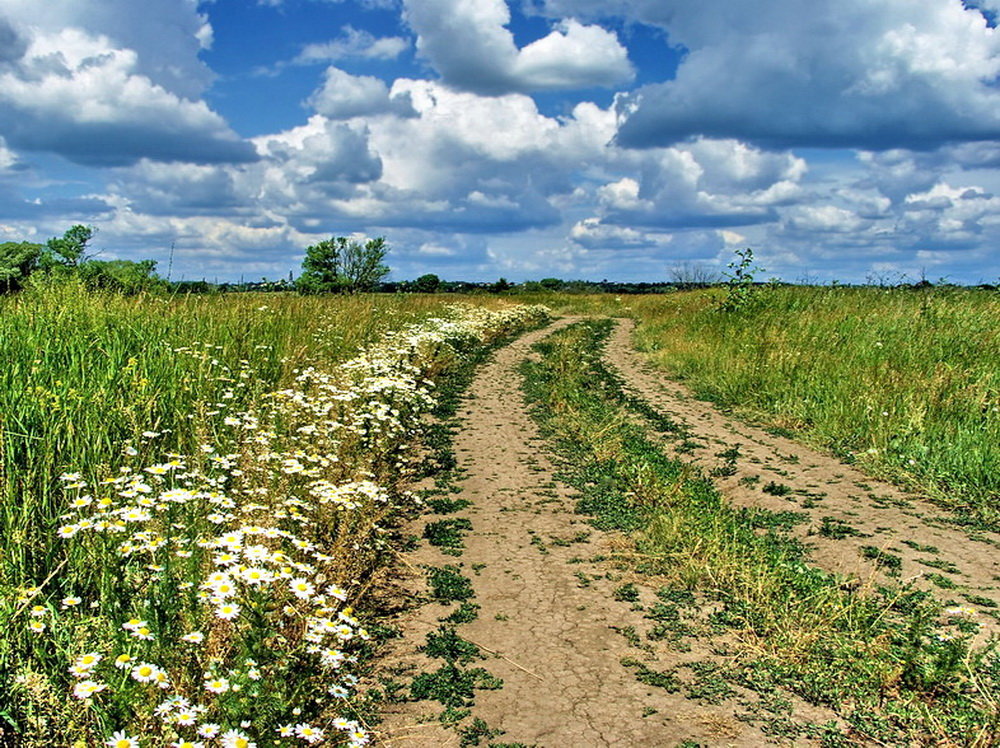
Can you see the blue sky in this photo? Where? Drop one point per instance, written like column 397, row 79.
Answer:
column 619, row 139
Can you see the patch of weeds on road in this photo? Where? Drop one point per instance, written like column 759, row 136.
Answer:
column 447, row 534
column 626, row 593
column 476, row 732
column 728, row 466
column 447, row 506
column 448, row 584
column 940, row 580
column 644, row 674
column 920, row 547
column 882, row 659
column 937, row 563
column 446, row 644
column 888, row 561
column 464, row 613
column 837, row 529
column 776, row 489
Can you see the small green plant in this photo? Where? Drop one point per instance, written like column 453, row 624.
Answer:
column 448, row 584
column 626, row 593
column 741, row 293
column 447, row 533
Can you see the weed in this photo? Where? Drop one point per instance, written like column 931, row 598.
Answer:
column 464, row 613
column 447, row 533
column 448, row 584
column 776, row 489
column 626, row 593
column 831, row 527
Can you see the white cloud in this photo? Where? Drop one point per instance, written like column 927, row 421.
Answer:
column 76, row 95
column 468, row 44
column 167, row 34
column 593, row 234
column 344, row 96
column 354, row 43
column 842, row 73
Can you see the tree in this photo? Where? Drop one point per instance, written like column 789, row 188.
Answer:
column 339, row 264
column 67, row 250
column 428, row 283
column 17, row 260
column 121, row 276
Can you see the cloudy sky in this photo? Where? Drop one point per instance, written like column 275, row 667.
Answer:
column 840, row 139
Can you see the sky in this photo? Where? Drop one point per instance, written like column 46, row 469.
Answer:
column 628, row 140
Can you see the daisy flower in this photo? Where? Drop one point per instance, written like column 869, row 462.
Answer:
column 236, row 739
column 121, row 740
column 87, row 688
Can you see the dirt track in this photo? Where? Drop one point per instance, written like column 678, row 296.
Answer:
column 548, row 618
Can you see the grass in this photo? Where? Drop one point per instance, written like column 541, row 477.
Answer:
column 225, row 472
column 878, row 657
column 903, row 382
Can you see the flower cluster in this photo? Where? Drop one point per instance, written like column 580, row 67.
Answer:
column 240, row 564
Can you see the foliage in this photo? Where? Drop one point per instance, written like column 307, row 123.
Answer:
column 69, row 250
column 121, row 276
column 17, row 260
column 741, row 294
column 339, row 264
column 144, row 437
column 427, row 283
column 903, row 382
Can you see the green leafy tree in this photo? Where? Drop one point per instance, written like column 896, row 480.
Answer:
column 17, row 260
column 428, row 283
column 339, row 264
column 69, row 250
column 121, row 276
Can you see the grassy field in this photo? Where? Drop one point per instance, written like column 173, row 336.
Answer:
column 194, row 495
column 904, row 382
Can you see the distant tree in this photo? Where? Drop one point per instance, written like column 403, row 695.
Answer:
column 121, row 276
column 551, row 284
column 69, row 249
column 428, row 283
column 17, row 260
column 500, row 286
column 339, row 264
column 363, row 266
column 694, row 274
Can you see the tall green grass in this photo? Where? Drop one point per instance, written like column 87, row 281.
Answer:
column 85, row 373
column 906, row 382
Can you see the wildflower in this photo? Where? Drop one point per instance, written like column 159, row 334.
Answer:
column 87, row 688
column 286, row 731
column 80, row 502
column 338, row 692
column 145, row 672
column 143, row 633
column 187, row 744
column 309, row 733
column 217, row 685
column 122, row 661
column 195, row 637
column 68, row 531
column 121, row 740
column 186, row 717
column 69, row 602
column 302, row 588
column 208, row 730
column 88, row 660
column 236, row 739
column 227, row 612
column 39, row 611
column 36, row 627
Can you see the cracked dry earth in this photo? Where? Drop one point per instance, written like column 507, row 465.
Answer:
column 549, row 624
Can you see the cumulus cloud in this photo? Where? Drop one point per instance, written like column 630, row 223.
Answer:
column 468, row 44
column 593, row 234
column 76, row 95
column 847, row 73
column 345, row 96
column 168, row 34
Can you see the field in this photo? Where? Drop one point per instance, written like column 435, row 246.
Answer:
column 216, row 512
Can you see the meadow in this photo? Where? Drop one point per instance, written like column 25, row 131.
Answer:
column 904, row 381
column 195, row 494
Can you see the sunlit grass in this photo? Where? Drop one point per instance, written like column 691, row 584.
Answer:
column 905, row 382
column 194, row 496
